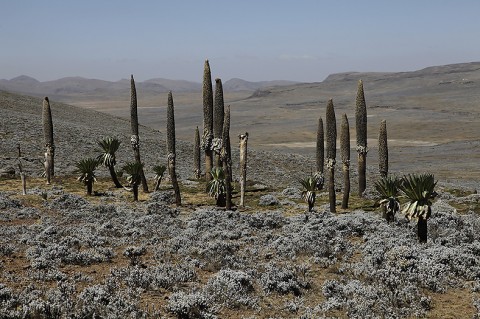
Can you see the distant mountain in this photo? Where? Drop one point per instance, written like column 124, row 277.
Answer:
column 74, row 86
column 177, row 85
column 236, row 85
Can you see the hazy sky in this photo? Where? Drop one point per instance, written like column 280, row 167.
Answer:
column 302, row 40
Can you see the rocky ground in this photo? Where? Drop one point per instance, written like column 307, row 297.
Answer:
column 65, row 255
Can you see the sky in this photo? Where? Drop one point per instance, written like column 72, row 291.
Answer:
column 256, row 40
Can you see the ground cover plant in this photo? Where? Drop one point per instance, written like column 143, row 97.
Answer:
column 75, row 256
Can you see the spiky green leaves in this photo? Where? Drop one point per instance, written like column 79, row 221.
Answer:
column 309, row 185
column 108, row 147
column 331, row 129
column 217, row 186
column 420, row 190
column 133, row 171
column 389, row 190
column 86, row 168
column 383, row 149
column 388, row 187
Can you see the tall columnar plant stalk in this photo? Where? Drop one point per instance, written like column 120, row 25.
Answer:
column 227, row 158
column 243, row 166
column 331, row 131
column 48, row 138
column 320, row 146
column 345, row 154
column 171, row 148
column 197, row 171
column 361, row 130
column 207, row 120
column 135, row 140
column 383, row 149
column 320, row 154
column 108, row 147
column 218, row 115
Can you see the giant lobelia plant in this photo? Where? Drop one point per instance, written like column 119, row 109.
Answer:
column 207, row 139
column 388, row 187
column 345, row 154
column 108, row 147
column 133, row 175
column 320, row 155
column 48, row 139
column 171, row 157
column 361, row 130
column 86, row 168
column 331, row 130
column 420, row 190
column 309, row 192
column 383, row 149
column 218, row 117
column 135, row 140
